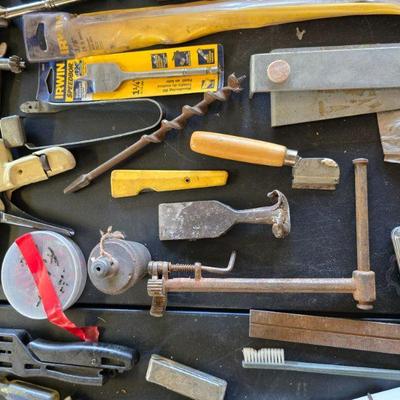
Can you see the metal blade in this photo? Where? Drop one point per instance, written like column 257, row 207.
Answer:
column 33, row 224
column 304, row 106
column 316, row 173
column 194, row 220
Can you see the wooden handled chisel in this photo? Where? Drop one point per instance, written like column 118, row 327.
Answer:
column 308, row 173
column 125, row 183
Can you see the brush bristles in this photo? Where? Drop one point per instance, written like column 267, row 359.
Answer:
column 263, row 356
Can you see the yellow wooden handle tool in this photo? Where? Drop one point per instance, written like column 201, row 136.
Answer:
column 239, row 149
column 125, row 183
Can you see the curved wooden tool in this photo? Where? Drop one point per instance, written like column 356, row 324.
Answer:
column 210, row 219
column 36, row 167
column 308, row 173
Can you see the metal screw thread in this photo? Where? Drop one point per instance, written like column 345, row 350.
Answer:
column 199, row 109
column 182, row 268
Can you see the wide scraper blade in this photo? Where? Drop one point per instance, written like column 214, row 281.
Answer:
column 194, row 220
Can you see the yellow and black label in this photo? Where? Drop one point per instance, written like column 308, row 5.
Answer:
column 70, row 83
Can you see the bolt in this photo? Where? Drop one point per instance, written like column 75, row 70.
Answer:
column 102, row 267
column 278, row 71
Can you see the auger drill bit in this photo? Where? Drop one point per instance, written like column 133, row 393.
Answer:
column 159, row 135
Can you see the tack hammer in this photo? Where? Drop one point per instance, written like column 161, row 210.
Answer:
column 308, row 173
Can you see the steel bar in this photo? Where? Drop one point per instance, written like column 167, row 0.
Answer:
column 362, row 233
column 243, row 285
column 326, row 331
column 325, row 68
column 185, row 380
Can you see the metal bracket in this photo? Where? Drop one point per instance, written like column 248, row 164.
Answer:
column 334, row 87
column 325, row 68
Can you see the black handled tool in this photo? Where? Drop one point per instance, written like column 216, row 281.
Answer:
column 79, row 363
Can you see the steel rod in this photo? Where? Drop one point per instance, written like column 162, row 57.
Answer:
column 17, row 11
column 242, row 285
column 361, row 189
column 325, row 331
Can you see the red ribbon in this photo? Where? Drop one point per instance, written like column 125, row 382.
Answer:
column 50, row 300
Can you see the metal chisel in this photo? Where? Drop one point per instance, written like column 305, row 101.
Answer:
column 210, row 219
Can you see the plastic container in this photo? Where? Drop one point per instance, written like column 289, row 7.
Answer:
column 66, row 266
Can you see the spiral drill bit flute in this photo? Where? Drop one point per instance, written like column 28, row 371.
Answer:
column 160, row 134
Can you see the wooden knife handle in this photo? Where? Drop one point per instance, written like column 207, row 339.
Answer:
column 238, row 148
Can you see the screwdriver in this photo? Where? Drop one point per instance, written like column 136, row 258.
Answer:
column 17, row 11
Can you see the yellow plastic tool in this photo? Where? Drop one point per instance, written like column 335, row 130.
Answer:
column 125, row 183
column 121, row 30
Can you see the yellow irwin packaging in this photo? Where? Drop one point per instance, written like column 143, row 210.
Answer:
column 160, row 72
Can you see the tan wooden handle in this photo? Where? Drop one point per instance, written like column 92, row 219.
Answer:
column 238, row 148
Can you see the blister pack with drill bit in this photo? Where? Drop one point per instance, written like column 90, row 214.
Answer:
column 147, row 73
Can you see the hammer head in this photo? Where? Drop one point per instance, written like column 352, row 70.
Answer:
column 315, row 173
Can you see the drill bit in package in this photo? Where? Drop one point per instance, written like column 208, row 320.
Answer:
column 149, row 73
column 51, row 36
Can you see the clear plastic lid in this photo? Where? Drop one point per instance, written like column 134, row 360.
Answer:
column 65, row 264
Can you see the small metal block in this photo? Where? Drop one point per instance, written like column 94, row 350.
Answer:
column 12, row 131
column 185, row 380
column 316, row 173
